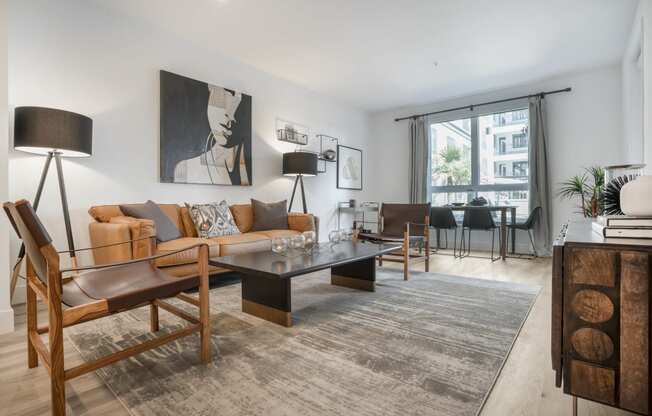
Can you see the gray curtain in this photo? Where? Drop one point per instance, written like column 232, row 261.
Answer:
column 539, row 185
column 419, row 161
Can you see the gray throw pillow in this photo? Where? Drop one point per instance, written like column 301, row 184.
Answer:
column 213, row 220
column 165, row 228
column 272, row 216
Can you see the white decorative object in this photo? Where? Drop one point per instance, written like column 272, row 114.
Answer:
column 636, row 197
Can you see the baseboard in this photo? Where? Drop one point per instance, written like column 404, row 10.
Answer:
column 6, row 321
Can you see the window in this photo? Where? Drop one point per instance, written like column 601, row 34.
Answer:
column 519, row 140
column 482, row 156
column 502, row 145
column 520, row 169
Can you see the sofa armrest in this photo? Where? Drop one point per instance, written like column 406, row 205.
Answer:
column 139, row 229
column 303, row 222
column 103, row 233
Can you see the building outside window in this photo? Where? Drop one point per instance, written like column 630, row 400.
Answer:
column 485, row 155
column 519, row 140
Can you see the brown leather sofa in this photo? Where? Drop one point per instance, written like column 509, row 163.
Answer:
column 112, row 226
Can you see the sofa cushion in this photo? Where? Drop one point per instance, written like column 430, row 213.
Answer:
column 270, row 216
column 242, row 243
column 166, row 230
column 244, row 216
column 185, row 257
column 213, row 220
column 276, row 233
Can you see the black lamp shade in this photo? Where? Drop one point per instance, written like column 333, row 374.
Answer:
column 41, row 130
column 300, row 163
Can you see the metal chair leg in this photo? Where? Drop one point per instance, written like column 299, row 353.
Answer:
column 534, row 249
column 500, row 244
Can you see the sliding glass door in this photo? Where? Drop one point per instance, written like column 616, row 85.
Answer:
column 485, row 155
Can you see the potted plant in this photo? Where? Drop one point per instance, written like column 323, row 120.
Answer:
column 588, row 188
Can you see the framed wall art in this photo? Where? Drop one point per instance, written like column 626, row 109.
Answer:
column 205, row 133
column 349, row 168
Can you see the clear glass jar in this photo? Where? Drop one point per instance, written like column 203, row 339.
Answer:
column 297, row 242
column 310, row 237
column 280, row 245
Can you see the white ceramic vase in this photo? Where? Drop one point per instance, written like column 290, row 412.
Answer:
column 636, row 197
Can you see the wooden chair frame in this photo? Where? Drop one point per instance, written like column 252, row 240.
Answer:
column 52, row 356
column 404, row 255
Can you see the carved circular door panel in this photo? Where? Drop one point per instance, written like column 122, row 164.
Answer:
column 592, row 306
column 592, row 344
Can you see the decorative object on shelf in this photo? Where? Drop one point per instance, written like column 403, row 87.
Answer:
column 612, row 194
column 299, row 164
column 589, row 188
column 295, row 133
column 55, row 134
column 205, row 133
column 616, row 177
column 327, row 148
column 636, row 197
column 349, row 168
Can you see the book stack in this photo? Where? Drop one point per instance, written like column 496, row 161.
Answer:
column 623, row 226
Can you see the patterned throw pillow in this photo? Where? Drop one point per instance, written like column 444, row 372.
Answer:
column 213, row 220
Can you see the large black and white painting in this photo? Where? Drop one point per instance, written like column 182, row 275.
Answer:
column 205, row 133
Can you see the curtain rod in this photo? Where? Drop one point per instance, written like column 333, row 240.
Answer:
column 472, row 106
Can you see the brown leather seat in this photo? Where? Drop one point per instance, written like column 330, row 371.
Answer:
column 406, row 224
column 130, row 285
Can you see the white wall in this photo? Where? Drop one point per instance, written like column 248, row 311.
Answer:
column 584, row 128
column 6, row 313
column 637, row 89
column 71, row 55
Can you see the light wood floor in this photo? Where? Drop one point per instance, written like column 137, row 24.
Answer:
column 525, row 386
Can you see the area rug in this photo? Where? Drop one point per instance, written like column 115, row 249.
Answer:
column 433, row 345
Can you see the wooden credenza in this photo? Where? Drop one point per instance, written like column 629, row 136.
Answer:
column 601, row 317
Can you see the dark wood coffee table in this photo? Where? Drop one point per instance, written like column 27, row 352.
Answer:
column 267, row 276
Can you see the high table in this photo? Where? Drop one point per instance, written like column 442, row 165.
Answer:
column 503, row 223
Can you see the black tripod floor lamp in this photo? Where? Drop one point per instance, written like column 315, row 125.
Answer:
column 54, row 134
column 299, row 164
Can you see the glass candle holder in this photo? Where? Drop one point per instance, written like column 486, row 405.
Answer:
column 334, row 236
column 280, row 245
column 310, row 237
column 297, row 242
column 346, row 235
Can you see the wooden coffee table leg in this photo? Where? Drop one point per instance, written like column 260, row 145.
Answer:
column 359, row 275
column 267, row 298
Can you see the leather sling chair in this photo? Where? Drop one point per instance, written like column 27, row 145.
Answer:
column 407, row 224
column 94, row 292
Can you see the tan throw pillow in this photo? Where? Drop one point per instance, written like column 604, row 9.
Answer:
column 213, row 220
column 272, row 216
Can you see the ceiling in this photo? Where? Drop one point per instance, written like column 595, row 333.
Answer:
column 379, row 54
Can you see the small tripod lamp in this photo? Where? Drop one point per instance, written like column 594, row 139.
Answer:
column 54, row 134
column 299, row 164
